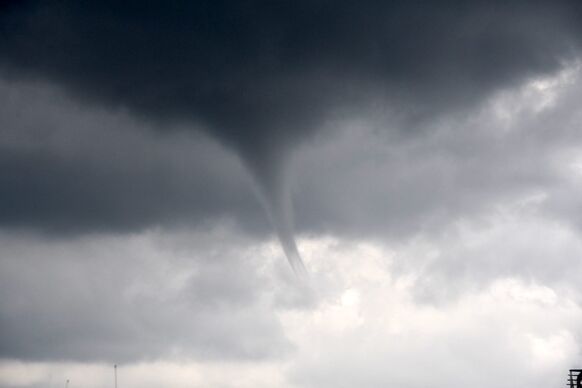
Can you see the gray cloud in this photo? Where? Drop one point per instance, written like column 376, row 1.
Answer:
column 66, row 169
column 148, row 297
column 367, row 182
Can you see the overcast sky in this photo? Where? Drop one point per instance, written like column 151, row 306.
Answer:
column 301, row 194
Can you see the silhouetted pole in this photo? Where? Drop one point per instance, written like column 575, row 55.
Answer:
column 115, row 373
column 67, row 383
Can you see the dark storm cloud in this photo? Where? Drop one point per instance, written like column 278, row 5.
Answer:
column 263, row 76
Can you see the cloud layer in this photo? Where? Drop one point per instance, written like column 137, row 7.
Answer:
column 261, row 76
